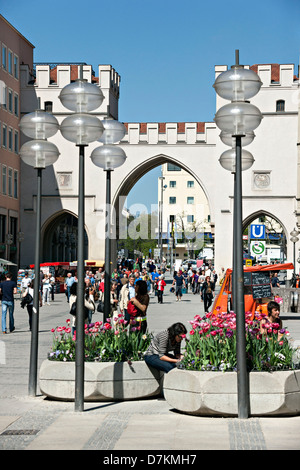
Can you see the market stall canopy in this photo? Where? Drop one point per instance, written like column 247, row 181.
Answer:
column 8, row 263
column 266, row 267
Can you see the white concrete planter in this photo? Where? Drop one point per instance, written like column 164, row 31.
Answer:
column 103, row 381
column 215, row 393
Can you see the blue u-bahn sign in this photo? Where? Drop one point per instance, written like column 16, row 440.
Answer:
column 257, row 232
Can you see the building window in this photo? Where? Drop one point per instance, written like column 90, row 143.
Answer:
column 4, row 57
column 16, row 67
column 16, row 182
column 3, row 179
column 190, row 184
column 10, row 182
column 2, row 228
column 172, row 167
column 190, row 218
column 10, row 101
column 48, row 106
column 172, row 200
column 10, row 139
column 16, row 104
column 190, row 200
column 172, row 184
column 4, row 96
column 16, row 142
column 4, row 136
column 280, row 105
column 13, row 229
column 10, row 62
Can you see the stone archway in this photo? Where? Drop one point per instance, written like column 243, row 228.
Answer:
column 59, row 238
column 139, row 171
column 275, row 235
column 133, row 177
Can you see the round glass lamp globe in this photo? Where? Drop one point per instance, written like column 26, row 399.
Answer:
column 229, row 140
column 114, row 131
column 227, row 160
column 39, row 125
column 108, row 157
column 39, row 153
column 237, row 84
column 82, row 129
column 81, row 96
column 238, row 118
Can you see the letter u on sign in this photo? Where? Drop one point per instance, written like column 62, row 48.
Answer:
column 257, row 231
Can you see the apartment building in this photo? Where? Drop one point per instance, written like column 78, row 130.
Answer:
column 15, row 50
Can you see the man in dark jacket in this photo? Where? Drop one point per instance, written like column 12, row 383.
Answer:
column 8, row 288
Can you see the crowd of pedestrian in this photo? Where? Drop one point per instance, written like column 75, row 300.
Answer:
column 201, row 281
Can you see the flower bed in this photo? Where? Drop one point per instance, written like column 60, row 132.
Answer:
column 114, row 366
column 207, row 381
column 212, row 345
column 103, row 343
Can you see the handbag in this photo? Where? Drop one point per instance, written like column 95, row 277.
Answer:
column 73, row 309
column 131, row 309
column 100, row 306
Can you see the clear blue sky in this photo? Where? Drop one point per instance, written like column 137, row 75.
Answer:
column 164, row 50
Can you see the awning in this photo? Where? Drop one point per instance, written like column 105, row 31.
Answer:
column 267, row 267
column 8, row 263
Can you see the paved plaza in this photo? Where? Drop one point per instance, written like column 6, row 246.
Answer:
column 37, row 423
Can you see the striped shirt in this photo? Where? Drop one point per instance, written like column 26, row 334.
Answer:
column 161, row 345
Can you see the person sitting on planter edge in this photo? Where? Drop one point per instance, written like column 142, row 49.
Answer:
column 158, row 353
column 272, row 318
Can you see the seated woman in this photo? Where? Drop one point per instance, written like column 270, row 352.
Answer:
column 158, row 353
column 273, row 317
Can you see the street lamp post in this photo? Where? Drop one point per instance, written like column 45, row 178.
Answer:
column 161, row 206
column 81, row 128
column 238, row 119
column 108, row 157
column 38, row 153
column 294, row 239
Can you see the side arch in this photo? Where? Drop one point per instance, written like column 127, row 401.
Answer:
column 59, row 236
column 260, row 213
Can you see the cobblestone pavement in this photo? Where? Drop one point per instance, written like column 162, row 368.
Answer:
column 36, row 423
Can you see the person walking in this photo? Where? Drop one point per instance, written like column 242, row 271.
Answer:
column 46, row 289
column 25, row 281
column 8, row 288
column 160, row 289
column 140, row 302
column 69, row 281
column 208, row 293
column 179, row 282
column 29, row 306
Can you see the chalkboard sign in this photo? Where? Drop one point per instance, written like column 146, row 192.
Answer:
column 259, row 283
column 261, row 291
column 247, row 279
column 260, row 278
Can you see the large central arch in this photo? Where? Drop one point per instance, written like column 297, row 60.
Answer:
column 139, row 171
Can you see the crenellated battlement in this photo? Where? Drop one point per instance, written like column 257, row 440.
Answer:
column 49, row 78
column 270, row 74
column 170, row 133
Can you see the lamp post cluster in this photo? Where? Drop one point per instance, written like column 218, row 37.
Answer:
column 237, row 121
column 81, row 128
